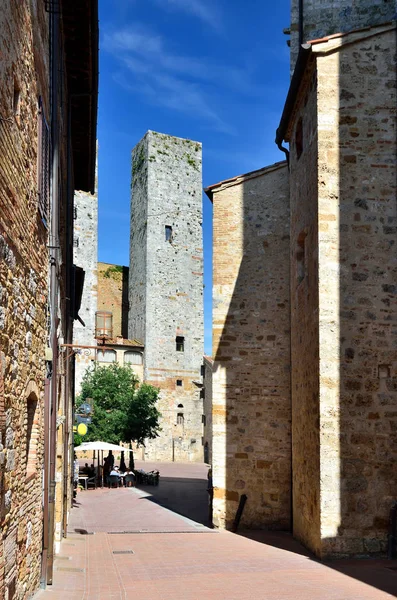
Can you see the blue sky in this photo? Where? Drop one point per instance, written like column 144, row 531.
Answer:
column 215, row 71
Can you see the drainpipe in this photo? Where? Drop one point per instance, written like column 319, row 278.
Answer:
column 54, row 265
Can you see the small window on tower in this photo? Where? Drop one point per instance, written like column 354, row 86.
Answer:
column 168, row 233
column 180, row 419
column 299, row 139
column 180, row 343
column 179, row 382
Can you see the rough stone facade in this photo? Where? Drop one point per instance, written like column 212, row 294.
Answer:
column 166, row 286
column 85, row 242
column 343, row 234
column 251, row 399
column 23, row 297
column 322, row 18
column 33, row 327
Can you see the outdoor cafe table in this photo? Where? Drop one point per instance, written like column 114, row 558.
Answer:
column 85, row 479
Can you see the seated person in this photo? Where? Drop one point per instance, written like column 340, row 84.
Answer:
column 129, row 478
column 115, row 472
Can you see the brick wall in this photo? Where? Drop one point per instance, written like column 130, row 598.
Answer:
column 251, row 349
column 113, row 295
column 23, row 293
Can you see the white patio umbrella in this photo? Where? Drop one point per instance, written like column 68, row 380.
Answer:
column 103, row 446
column 100, row 446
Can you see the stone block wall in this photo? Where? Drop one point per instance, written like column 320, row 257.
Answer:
column 353, row 393
column 86, row 256
column 322, row 18
column 207, row 408
column 23, row 295
column 304, row 319
column 251, row 349
column 166, row 286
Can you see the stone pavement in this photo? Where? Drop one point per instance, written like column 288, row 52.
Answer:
column 123, row 546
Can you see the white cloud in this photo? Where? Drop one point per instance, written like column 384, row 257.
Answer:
column 205, row 11
column 182, row 83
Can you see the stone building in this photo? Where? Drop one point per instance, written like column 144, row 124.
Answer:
column 85, row 242
column 48, row 95
column 113, row 313
column 251, row 406
column 340, row 121
column 166, row 286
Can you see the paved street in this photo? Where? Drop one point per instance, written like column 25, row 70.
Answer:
column 124, row 545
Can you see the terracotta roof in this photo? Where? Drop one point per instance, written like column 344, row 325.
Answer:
column 209, row 359
column 333, row 36
column 240, row 178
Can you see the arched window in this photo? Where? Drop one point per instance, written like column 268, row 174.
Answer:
column 180, row 419
column 132, row 358
column 106, row 356
column 180, row 405
column 32, row 435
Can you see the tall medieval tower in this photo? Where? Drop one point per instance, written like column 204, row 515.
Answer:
column 166, row 286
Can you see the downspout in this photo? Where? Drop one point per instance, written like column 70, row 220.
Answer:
column 283, row 149
column 54, row 260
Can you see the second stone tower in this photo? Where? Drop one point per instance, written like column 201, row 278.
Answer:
column 166, row 287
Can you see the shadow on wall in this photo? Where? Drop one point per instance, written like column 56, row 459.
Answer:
column 251, row 349
column 343, row 226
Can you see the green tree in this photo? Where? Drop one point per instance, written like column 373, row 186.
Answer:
column 122, row 410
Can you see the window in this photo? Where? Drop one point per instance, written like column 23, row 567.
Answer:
column 106, row 356
column 180, row 419
column 299, row 138
column 180, row 405
column 202, row 370
column 43, row 166
column 301, row 257
column 103, row 324
column 168, row 233
column 31, row 436
column 180, row 343
column 204, row 420
column 202, row 394
column 132, row 358
column 179, row 382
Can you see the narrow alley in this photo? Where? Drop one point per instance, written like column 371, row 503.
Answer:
column 123, row 543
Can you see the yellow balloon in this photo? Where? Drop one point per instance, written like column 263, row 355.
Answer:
column 82, row 429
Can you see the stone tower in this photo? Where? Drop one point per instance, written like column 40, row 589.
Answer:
column 166, row 286
column 85, row 252
column 319, row 18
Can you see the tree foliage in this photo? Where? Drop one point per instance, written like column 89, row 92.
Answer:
column 122, row 410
